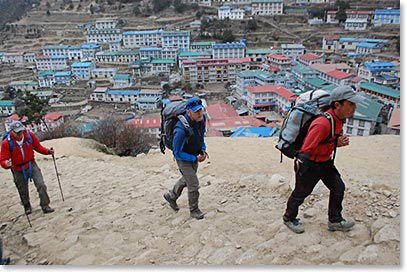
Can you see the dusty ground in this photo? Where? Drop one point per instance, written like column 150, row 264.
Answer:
column 114, row 212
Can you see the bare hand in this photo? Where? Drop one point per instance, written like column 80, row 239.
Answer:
column 343, row 141
column 201, row 158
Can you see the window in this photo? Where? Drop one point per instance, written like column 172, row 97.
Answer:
column 349, row 131
column 360, row 132
column 361, row 123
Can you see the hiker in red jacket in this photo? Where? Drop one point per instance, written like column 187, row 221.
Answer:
column 17, row 153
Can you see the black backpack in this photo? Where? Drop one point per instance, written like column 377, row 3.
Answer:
column 299, row 118
column 170, row 114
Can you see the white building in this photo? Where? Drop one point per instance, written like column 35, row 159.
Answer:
column 103, row 35
column 106, row 23
column 51, row 62
column 229, row 50
column 137, row 39
column 231, row 13
column 267, row 7
column 356, row 24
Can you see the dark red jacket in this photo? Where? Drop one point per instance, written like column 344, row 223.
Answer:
column 16, row 155
column 316, row 144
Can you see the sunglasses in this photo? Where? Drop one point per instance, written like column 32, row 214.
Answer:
column 195, row 103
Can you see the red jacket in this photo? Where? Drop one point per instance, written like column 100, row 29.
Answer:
column 16, row 155
column 316, row 144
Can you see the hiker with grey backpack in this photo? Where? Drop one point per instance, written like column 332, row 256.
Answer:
column 314, row 161
column 183, row 129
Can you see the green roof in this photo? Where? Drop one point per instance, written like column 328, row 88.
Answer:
column 201, row 43
column 24, row 83
column 188, row 54
column 368, row 110
column 163, row 61
column 259, row 51
column 302, row 69
column 121, row 76
column 56, row 47
column 380, row 89
column 7, row 103
column 320, row 83
column 46, row 73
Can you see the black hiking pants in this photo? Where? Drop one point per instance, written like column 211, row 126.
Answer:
column 306, row 178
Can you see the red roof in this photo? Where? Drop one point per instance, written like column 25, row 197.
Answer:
column 394, row 121
column 339, row 74
column 146, row 123
column 53, row 116
column 356, row 79
column 220, row 111
column 309, row 56
column 278, row 56
column 331, row 37
column 280, row 90
column 232, row 123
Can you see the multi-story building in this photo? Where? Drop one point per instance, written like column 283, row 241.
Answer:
column 118, row 56
column 106, row 23
column 7, row 107
column 213, row 70
column 386, row 17
column 151, row 126
column 230, row 12
column 149, row 99
column 360, row 14
column 269, row 98
column 378, row 72
column 122, row 80
column 310, row 58
column 281, row 62
column 353, row 24
column 137, row 39
column 330, row 42
column 293, row 50
column 229, row 50
column 46, row 78
column 51, row 62
column 55, row 50
column 29, row 57
column 258, row 55
column 89, row 51
column 17, row 57
column 179, row 39
column 63, row 78
column 267, row 7
column 104, row 73
column 368, row 48
column 192, row 56
column 385, row 94
column 121, row 96
column 103, row 35
column 337, row 77
column 24, row 86
column 201, row 46
column 150, row 52
column 301, row 73
column 82, row 70
column 248, row 78
column 330, row 17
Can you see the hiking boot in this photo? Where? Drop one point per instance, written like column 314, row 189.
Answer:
column 172, row 202
column 47, row 209
column 295, row 225
column 197, row 214
column 27, row 208
column 341, row 226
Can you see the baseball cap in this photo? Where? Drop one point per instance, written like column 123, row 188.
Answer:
column 345, row 93
column 17, row 126
column 194, row 104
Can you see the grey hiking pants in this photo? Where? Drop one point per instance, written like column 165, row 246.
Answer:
column 22, row 185
column 190, row 180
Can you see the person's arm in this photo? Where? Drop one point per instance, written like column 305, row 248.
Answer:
column 37, row 145
column 5, row 155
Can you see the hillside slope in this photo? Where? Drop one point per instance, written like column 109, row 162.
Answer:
column 114, row 212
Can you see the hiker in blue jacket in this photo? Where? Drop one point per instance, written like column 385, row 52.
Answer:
column 189, row 149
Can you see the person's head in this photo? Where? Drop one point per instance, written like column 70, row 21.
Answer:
column 17, row 128
column 194, row 109
column 344, row 100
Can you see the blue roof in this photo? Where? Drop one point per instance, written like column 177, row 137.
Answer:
column 379, row 66
column 63, row 73
column 59, row 57
column 150, row 49
column 228, row 45
column 387, row 11
column 368, row 45
column 254, row 132
column 366, row 40
column 90, row 46
column 81, row 64
column 123, row 92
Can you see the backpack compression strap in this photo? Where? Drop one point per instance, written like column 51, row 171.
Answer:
column 332, row 134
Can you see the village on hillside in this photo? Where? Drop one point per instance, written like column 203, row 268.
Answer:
column 247, row 59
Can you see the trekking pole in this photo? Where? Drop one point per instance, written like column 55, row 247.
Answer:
column 59, row 182
column 28, row 219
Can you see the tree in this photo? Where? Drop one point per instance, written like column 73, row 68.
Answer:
column 252, row 25
column 228, row 36
column 160, row 5
column 33, row 108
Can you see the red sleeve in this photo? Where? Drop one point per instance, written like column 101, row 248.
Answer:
column 5, row 153
column 37, row 145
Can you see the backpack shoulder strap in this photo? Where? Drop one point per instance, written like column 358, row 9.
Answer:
column 184, row 121
column 332, row 134
column 10, row 142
